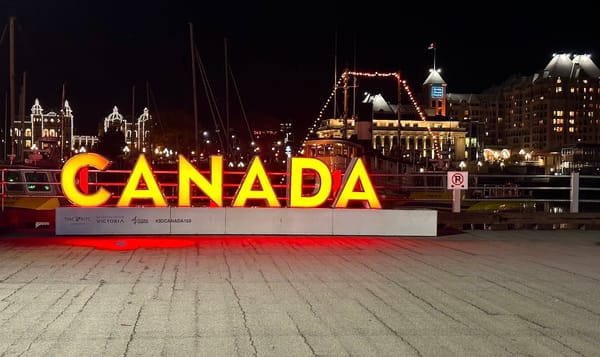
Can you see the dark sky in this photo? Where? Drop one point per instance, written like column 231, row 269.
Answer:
column 282, row 55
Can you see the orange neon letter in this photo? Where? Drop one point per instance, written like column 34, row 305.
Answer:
column 255, row 171
column 356, row 173
column 68, row 180
column 142, row 170
column 298, row 165
column 187, row 173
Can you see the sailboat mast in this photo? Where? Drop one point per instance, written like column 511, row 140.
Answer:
column 335, row 60
column 192, row 50
column 133, row 120
column 11, row 75
column 143, row 141
column 5, row 125
column 62, row 123
column 399, row 114
column 227, row 129
column 354, row 84
column 22, row 112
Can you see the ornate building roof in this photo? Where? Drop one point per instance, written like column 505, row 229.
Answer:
column 434, row 77
column 568, row 66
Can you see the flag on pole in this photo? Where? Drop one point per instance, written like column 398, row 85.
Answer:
column 431, row 46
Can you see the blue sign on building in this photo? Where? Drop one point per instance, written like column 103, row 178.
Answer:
column 437, row 91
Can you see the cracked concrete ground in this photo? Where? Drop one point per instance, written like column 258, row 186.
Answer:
column 478, row 293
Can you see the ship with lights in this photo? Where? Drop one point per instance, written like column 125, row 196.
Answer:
column 398, row 136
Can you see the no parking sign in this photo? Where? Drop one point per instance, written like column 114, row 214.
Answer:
column 458, row 180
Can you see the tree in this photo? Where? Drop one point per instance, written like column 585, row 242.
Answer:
column 111, row 144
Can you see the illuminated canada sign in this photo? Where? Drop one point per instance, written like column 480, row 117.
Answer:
column 255, row 185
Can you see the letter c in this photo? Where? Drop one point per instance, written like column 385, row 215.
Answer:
column 68, row 180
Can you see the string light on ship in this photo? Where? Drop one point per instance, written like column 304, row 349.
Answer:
column 412, row 99
column 436, row 145
column 311, row 130
column 338, row 83
column 372, row 75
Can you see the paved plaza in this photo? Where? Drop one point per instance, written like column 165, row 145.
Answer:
column 476, row 293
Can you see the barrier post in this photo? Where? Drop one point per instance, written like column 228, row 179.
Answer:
column 574, row 196
column 456, row 200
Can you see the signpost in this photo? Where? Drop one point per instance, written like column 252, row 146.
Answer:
column 457, row 181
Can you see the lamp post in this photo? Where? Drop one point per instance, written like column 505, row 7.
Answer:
column 126, row 151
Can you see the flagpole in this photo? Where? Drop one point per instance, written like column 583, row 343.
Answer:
column 433, row 47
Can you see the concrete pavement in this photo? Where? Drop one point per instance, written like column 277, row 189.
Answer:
column 478, row 293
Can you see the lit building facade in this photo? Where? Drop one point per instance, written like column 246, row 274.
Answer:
column 48, row 133
column 555, row 107
column 135, row 134
column 51, row 134
column 540, row 114
column 477, row 114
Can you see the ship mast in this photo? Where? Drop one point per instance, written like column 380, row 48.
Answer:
column 227, row 128
column 62, row 124
column 21, row 156
column 192, row 50
column 335, row 88
column 12, row 86
column 345, row 113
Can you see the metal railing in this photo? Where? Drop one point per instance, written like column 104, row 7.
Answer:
column 548, row 193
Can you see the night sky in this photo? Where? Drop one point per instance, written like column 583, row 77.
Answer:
column 282, row 55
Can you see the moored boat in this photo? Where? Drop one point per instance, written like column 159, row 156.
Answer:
column 29, row 196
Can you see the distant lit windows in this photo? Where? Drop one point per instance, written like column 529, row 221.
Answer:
column 558, row 89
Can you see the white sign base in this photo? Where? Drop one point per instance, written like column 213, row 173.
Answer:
column 246, row 220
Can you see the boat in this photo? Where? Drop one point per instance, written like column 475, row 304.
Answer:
column 29, row 196
column 335, row 153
